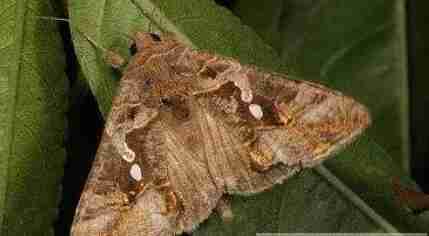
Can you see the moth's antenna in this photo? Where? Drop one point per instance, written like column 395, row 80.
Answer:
column 150, row 22
column 112, row 58
column 54, row 18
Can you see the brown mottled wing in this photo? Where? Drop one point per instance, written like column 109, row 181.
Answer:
column 316, row 122
column 200, row 126
column 206, row 159
column 227, row 145
column 258, row 128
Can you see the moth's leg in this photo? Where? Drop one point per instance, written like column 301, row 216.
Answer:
column 223, row 209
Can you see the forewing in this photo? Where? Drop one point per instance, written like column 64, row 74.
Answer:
column 110, row 192
column 259, row 128
column 176, row 191
column 315, row 122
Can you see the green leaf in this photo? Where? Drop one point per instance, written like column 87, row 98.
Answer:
column 32, row 115
column 355, row 193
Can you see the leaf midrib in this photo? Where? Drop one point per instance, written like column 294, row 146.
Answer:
column 166, row 24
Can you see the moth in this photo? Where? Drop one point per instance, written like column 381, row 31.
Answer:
column 188, row 128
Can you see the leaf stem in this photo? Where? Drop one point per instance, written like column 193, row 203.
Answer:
column 166, row 26
column 355, row 199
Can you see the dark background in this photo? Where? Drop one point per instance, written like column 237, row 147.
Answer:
column 418, row 58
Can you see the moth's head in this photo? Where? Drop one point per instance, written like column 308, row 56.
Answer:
column 143, row 41
column 145, row 45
